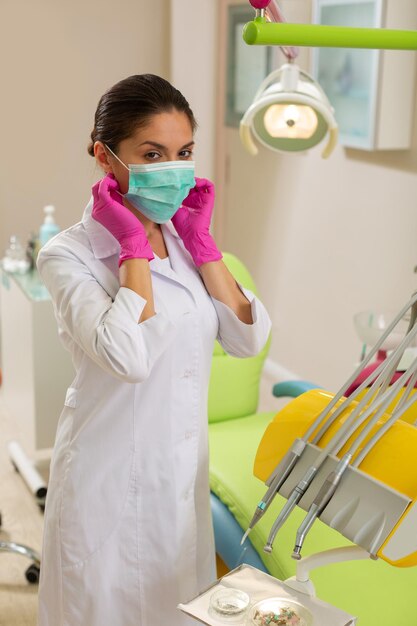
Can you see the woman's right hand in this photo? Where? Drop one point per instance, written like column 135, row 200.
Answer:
column 109, row 210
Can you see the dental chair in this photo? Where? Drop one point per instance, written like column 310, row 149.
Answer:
column 232, row 410
column 378, row 593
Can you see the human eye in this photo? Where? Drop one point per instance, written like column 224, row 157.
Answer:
column 186, row 154
column 153, row 155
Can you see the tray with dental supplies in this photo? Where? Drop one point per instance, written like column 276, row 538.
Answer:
column 248, row 597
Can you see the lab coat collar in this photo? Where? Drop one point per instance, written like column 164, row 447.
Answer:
column 105, row 245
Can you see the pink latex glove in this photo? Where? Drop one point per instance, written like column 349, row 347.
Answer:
column 192, row 223
column 109, row 210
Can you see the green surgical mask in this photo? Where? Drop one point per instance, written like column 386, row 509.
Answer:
column 158, row 189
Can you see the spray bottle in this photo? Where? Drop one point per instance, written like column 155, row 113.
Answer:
column 49, row 228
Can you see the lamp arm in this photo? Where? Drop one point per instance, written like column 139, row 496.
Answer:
column 260, row 32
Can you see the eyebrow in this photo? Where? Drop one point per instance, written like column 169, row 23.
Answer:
column 161, row 147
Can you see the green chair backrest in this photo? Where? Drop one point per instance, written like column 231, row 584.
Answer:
column 234, row 383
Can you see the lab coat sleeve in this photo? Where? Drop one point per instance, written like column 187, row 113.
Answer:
column 237, row 338
column 106, row 330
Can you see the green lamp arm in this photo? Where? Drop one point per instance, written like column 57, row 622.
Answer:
column 261, row 32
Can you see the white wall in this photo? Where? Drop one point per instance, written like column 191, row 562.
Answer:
column 193, row 70
column 58, row 58
column 323, row 239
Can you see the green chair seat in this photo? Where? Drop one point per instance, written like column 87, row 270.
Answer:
column 378, row 593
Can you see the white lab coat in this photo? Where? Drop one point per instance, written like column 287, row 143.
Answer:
column 128, row 532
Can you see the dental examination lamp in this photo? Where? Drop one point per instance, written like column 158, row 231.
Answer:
column 290, row 111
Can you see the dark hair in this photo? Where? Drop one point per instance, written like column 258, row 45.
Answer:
column 130, row 104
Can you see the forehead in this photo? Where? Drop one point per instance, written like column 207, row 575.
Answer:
column 168, row 128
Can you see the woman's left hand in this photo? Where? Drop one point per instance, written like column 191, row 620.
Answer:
column 192, row 223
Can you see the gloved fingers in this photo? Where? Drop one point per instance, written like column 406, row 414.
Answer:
column 107, row 191
column 204, row 185
column 108, row 184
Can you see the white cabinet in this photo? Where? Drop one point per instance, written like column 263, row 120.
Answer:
column 36, row 368
column 372, row 91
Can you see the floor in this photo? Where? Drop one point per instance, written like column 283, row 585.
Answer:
column 22, row 522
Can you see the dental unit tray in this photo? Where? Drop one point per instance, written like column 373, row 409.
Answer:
column 375, row 505
column 363, row 509
column 350, row 462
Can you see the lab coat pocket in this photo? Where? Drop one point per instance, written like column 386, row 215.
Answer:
column 93, row 500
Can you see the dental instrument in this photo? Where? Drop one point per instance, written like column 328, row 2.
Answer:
column 339, row 439
column 286, row 465
column 333, row 479
column 397, row 414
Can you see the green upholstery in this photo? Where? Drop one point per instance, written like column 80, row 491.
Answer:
column 379, row 594
column 238, row 378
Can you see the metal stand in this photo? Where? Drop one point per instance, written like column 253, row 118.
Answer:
column 33, row 571
column 301, row 581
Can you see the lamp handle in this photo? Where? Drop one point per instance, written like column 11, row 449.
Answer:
column 246, row 138
column 332, row 143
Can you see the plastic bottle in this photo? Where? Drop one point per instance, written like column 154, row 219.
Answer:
column 49, row 228
column 14, row 260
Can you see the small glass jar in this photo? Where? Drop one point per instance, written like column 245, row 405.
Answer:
column 279, row 612
column 229, row 605
column 14, row 260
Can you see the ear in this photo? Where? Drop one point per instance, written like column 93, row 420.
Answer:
column 102, row 157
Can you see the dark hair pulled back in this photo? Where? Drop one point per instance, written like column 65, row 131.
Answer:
column 130, row 104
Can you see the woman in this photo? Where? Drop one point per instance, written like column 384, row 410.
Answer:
column 139, row 302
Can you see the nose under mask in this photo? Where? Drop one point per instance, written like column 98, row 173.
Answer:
column 157, row 190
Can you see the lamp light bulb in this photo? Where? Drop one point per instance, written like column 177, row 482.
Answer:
column 291, row 121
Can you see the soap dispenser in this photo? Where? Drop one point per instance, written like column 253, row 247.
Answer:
column 49, row 228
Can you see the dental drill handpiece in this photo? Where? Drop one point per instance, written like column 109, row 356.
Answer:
column 319, row 503
column 294, row 498
column 277, row 479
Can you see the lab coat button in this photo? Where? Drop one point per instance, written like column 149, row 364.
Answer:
column 188, row 434
column 187, row 374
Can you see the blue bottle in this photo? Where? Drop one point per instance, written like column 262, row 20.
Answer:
column 49, row 228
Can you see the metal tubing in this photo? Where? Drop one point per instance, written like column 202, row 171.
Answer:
column 260, row 32
column 18, row 548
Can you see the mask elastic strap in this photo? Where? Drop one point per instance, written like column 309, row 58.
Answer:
column 116, row 157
